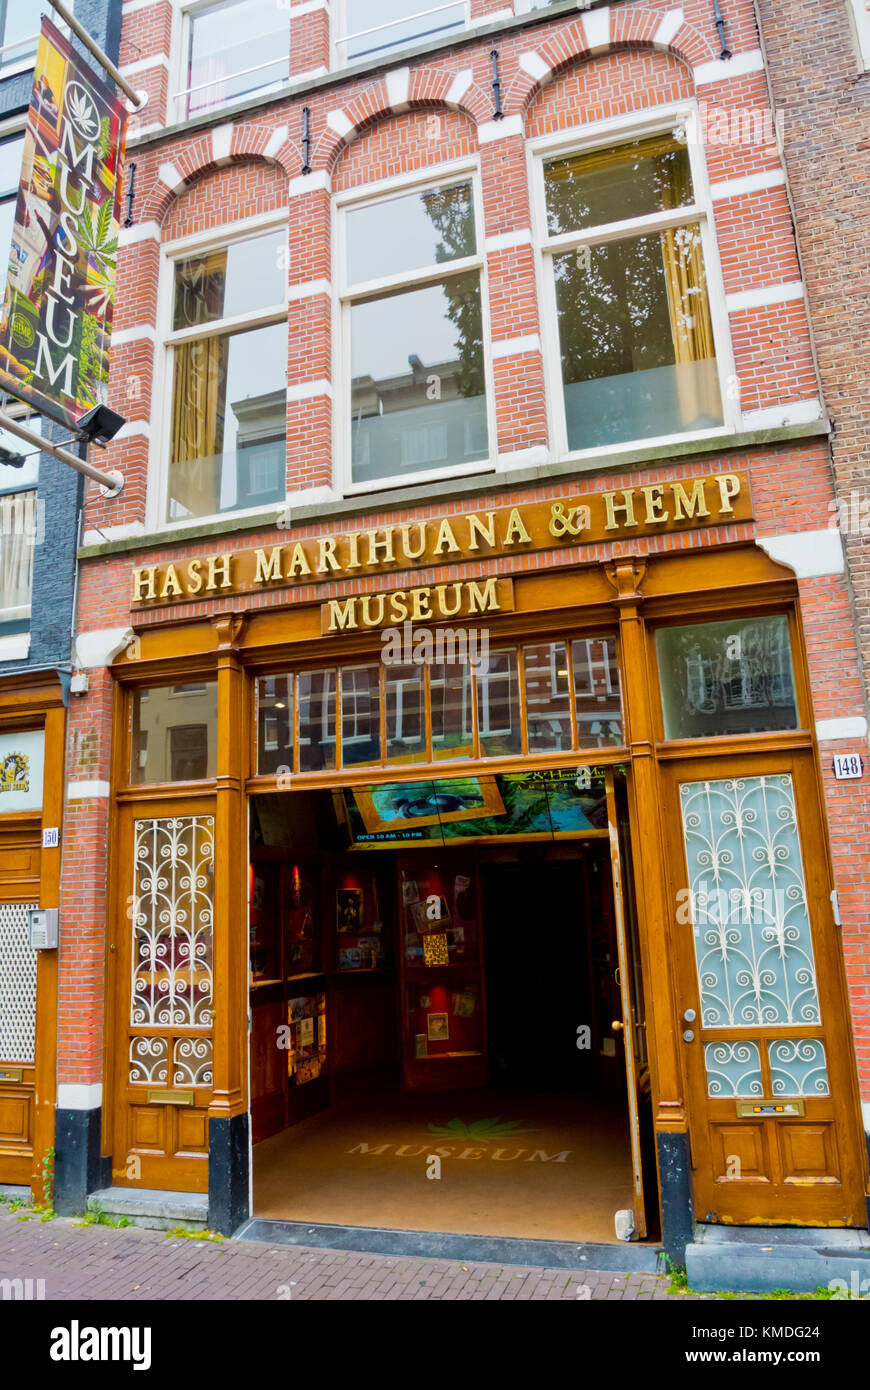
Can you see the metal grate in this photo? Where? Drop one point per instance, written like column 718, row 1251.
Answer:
column 17, row 985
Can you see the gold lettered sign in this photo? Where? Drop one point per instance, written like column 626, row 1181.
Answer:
column 719, row 499
column 430, row 603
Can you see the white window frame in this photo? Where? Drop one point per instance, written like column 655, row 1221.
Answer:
column 325, row 736
column 171, row 253
column 417, row 7
column 468, row 697
column 184, row 11
column 397, row 689
column 381, row 191
column 10, row 129
column 599, row 135
column 27, row 64
column 859, row 16
column 355, row 715
column 487, row 679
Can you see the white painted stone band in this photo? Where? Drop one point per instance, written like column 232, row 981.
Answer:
column 87, row 791
column 516, row 347
column 749, row 183
column 725, row 70
column 78, row 1096
column 846, row 727
column 788, row 413
column 763, row 295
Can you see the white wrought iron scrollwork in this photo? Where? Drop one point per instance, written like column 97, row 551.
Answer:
column 753, row 944
column 172, row 923
column 192, row 1062
column 147, row 1061
column 798, row 1067
column 733, row 1069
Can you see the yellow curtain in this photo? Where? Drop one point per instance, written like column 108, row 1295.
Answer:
column 691, row 326
column 198, row 424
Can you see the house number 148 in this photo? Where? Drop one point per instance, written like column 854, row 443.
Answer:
column 847, row 765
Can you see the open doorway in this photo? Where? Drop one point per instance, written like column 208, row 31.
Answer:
column 433, row 1042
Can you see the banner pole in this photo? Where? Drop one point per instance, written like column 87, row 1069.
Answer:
column 112, row 482
column 137, row 99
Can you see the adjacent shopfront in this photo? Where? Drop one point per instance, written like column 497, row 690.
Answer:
column 433, row 822
column 32, row 719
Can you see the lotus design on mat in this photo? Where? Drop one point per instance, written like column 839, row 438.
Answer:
column 481, row 1130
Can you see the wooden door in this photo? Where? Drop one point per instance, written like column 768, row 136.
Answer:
column 19, row 998
column 767, row 1051
column 164, row 949
column 630, row 1025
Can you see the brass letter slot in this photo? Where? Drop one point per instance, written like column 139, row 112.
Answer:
column 775, row 1108
column 10, row 1073
column 170, row 1097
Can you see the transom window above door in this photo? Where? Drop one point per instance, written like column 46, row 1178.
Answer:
column 228, row 349
column 413, row 339
column 626, row 248
column 233, row 49
column 379, row 26
column 549, row 696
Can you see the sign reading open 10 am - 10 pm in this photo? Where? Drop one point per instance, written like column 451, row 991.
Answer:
column 60, row 289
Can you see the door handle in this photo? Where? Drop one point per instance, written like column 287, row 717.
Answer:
column 616, row 1025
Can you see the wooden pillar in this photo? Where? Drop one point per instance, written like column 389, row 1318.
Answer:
column 657, row 911
column 228, row 1117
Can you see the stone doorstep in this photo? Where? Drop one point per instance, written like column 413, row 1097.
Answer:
column 152, row 1209
column 11, row 1191
column 761, row 1259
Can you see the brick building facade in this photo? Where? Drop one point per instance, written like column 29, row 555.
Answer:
column 41, row 505
column 708, row 494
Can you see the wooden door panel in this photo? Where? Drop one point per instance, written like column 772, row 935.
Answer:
column 747, row 1144
column 759, row 961
column 145, row 1127
column 809, row 1151
column 163, row 1004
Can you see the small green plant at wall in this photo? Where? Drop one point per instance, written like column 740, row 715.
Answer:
column 189, row 1234
column 46, row 1206
column 97, row 1217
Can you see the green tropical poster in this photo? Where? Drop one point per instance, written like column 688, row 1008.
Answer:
column 57, row 315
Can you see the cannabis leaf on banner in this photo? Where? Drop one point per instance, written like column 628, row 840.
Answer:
column 83, row 113
column 102, row 249
column 495, row 1128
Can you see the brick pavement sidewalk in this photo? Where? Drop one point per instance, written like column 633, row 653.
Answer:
column 95, row 1262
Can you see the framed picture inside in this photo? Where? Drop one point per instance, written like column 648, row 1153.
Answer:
column 437, row 1028
column 349, row 909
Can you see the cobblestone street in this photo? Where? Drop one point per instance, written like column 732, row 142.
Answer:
column 95, row 1262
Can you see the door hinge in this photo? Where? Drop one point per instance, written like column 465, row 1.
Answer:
column 835, row 907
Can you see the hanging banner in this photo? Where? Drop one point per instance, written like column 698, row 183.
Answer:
column 57, row 315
